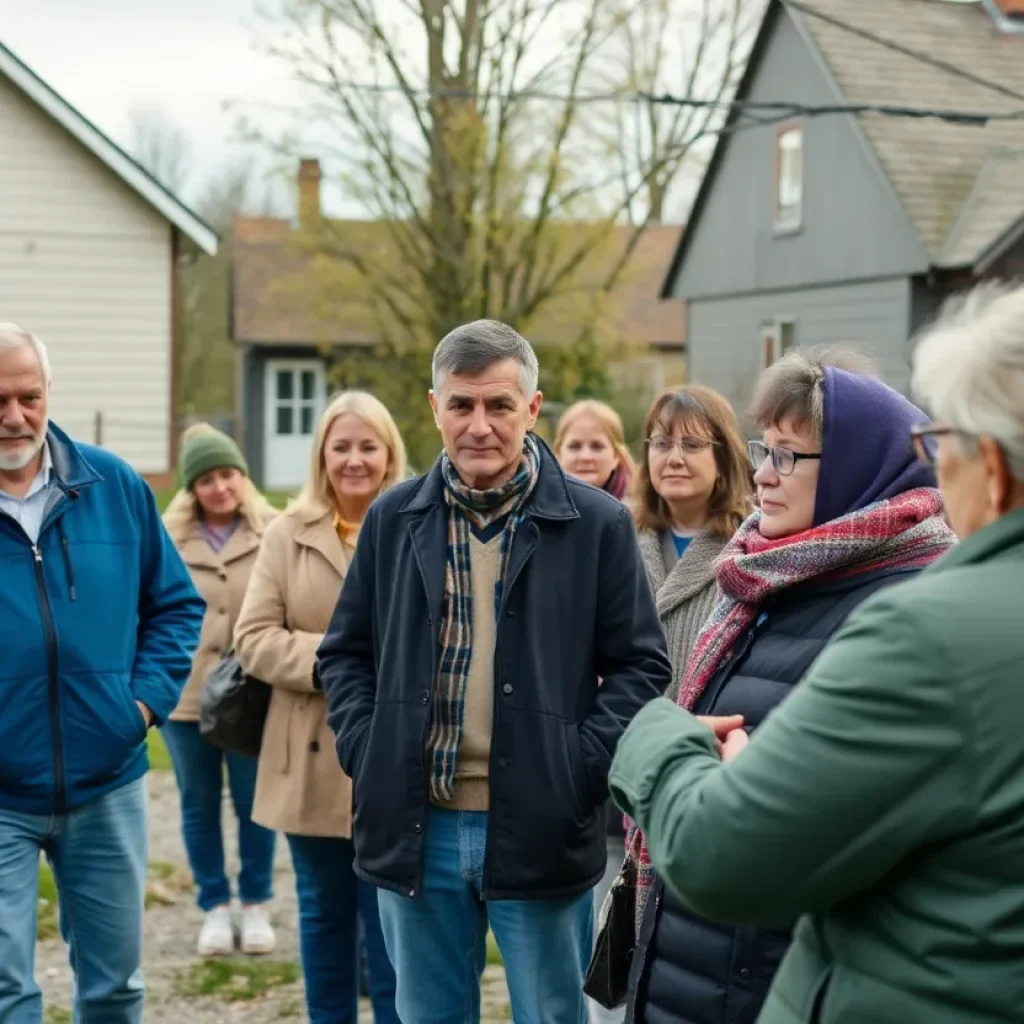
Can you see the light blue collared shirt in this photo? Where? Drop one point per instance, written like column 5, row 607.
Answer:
column 30, row 510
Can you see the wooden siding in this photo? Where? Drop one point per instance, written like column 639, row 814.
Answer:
column 853, row 227
column 87, row 265
column 725, row 348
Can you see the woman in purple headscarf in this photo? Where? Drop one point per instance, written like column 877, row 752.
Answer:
column 844, row 509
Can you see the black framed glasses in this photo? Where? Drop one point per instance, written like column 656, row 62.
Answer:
column 925, row 437
column 663, row 445
column 783, row 459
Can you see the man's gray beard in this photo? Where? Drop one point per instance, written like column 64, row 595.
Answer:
column 19, row 460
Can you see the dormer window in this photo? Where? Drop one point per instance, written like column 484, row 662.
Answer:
column 789, row 178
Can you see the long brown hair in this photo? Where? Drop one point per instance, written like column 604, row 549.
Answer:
column 705, row 413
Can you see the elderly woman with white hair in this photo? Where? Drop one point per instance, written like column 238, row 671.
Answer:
column 884, row 800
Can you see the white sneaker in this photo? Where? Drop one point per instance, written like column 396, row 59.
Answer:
column 257, row 934
column 217, row 937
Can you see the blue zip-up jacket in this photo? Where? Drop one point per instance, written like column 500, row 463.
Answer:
column 100, row 613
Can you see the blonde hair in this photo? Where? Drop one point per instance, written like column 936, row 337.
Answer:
column 316, row 495
column 609, row 421
column 184, row 508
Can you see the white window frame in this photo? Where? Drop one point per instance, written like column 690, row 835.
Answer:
column 297, row 403
column 789, row 177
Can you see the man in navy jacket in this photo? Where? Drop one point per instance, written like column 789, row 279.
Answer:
column 98, row 623
column 485, row 602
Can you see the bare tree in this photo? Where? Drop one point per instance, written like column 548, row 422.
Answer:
column 160, row 145
column 488, row 139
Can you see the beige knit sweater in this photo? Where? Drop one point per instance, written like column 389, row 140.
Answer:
column 684, row 590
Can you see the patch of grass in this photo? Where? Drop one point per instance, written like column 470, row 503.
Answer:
column 293, row 1008
column 493, row 953
column 236, row 981
column 165, row 883
column 47, row 927
column 159, row 758
column 57, row 1015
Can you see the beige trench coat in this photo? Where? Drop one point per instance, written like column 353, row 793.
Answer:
column 221, row 578
column 300, row 788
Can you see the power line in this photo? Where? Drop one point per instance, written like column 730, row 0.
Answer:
column 788, row 108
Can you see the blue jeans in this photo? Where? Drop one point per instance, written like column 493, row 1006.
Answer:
column 98, row 854
column 332, row 904
column 438, row 942
column 199, row 770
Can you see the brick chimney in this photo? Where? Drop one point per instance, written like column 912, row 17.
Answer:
column 309, row 192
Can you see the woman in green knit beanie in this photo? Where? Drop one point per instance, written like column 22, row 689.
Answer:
column 216, row 521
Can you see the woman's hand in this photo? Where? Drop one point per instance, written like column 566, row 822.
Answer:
column 734, row 743
column 722, row 726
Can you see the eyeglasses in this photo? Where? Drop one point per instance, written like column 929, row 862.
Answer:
column 925, row 437
column 783, row 460
column 687, row 445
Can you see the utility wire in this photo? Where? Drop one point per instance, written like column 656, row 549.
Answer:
column 790, row 109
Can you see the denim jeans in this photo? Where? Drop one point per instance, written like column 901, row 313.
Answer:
column 199, row 770
column 438, row 942
column 616, row 855
column 332, row 904
column 98, row 854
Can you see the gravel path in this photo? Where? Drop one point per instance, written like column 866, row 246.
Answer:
column 254, row 991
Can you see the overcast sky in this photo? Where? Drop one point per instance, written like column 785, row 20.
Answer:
column 182, row 57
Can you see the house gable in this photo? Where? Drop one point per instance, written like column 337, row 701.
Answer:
column 20, row 78
column 853, row 226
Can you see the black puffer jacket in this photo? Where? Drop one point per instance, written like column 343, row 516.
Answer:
column 687, row 970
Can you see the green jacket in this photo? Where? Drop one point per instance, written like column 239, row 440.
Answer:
column 882, row 804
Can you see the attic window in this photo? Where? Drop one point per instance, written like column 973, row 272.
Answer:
column 789, row 177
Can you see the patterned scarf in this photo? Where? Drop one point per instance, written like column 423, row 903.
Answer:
column 906, row 532
column 478, row 509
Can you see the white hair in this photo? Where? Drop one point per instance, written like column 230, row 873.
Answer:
column 13, row 336
column 969, row 368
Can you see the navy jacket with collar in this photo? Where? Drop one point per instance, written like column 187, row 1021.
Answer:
column 576, row 607
column 100, row 612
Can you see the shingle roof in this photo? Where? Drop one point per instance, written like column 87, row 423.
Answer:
column 286, row 294
column 959, row 192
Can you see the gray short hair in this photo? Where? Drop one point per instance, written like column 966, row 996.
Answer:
column 12, row 336
column 795, row 385
column 472, row 348
column 969, row 367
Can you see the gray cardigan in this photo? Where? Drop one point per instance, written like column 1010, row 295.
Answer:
column 684, row 590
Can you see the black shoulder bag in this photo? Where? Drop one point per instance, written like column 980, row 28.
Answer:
column 233, row 708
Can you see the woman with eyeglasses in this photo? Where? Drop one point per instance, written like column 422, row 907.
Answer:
column 693, row 491
column 844, row 510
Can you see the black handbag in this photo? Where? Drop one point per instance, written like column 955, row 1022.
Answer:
column 233, row 708
column 607, row 980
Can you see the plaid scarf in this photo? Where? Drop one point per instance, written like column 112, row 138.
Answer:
column 907, row 532
column 479, row 509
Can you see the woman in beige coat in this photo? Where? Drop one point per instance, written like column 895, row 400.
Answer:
column 216, row 522
column 301, row 790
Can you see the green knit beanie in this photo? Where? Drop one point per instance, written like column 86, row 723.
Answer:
column 204, row 448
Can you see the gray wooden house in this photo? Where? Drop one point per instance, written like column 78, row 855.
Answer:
column 854, row 229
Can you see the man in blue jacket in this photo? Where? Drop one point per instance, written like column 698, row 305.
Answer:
column 485, row 603
column 98, row 623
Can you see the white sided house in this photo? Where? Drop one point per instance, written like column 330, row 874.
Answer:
column 89, row 251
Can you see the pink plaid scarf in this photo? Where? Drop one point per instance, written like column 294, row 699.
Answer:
column 907, row 531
